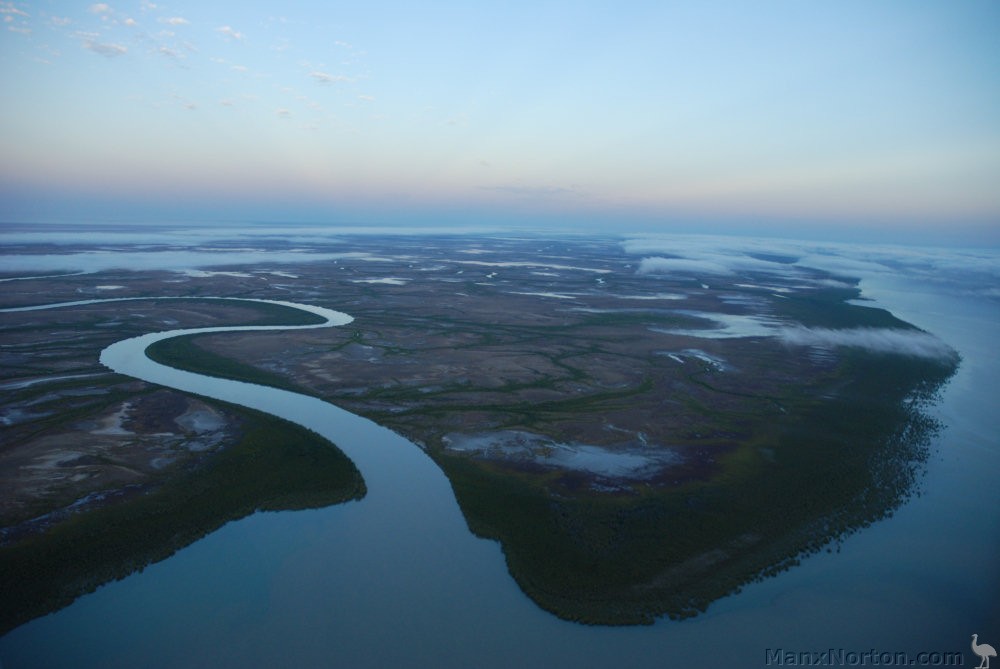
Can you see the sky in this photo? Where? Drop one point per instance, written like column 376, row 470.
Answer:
column 811, row 119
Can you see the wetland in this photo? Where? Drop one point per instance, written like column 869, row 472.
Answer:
column 640, row 441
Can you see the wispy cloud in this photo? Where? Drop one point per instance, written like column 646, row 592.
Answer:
column 878, row 340
column 9, row 8
column 283, row 113
column 324, row 78
column 99, row 8
column 106, row 50
column 230, row 32
column 168, row 52
column 16, row 19
column 175, row 21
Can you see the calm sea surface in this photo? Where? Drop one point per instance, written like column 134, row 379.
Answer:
column 397, row 579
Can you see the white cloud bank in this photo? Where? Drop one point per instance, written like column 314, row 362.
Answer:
column 657, row 265
column 879, row 340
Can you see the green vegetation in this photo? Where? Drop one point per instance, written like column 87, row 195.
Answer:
column 828, row 309
column 267, row 313
column 806, row 461
column 275, row 466
column 185, row 353
column 783, row 454
column 831, row 468
column 791, row 462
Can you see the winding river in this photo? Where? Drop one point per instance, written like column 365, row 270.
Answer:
column 403, row 556
column 397, row 579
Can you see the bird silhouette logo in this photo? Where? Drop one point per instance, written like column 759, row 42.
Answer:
column 984, row 651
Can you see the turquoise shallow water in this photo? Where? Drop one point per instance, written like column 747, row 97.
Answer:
column 397, row 580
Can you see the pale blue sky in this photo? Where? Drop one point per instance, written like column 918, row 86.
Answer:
column 826, row 118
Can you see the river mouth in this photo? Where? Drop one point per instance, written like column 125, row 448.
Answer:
column 543, row 463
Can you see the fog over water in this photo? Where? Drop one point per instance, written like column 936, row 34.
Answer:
column 879, row 340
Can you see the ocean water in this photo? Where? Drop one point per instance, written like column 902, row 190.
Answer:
column 397, row 580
